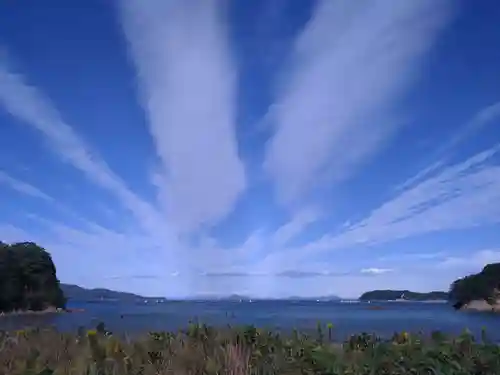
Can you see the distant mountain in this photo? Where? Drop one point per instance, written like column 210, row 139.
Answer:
column 317, row 298
column 218, row 297
column 77, row 293
column 235, row 297
column 292, row 298
column 238, row 297
column 391, row 295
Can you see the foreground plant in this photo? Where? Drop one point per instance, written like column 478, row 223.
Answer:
column 239, row 351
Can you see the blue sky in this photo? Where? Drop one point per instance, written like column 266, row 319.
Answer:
column 271, row 148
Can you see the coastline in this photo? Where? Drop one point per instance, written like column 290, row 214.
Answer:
column 482, row 306
column 406, row 300
column 47, row 311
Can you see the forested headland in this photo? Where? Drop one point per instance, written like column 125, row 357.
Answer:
column 482, row 286
column 28, row 280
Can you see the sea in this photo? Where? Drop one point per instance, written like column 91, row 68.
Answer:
column 347, row 317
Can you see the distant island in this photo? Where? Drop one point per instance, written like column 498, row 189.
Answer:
column 403, row 295
column 238, row 297
column 217, row 297
column 77, row 293
column 480, row 291
column 326, row 298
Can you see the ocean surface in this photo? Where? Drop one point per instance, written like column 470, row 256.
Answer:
column 347, row 318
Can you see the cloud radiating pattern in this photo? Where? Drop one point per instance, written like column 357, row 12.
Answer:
column 275, row 149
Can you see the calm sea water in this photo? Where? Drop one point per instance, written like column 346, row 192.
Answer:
column 347, row 318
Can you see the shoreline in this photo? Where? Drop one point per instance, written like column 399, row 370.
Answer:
column 481, row 306
column 47, row 311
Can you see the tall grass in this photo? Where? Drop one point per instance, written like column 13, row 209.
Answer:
column 240, row 351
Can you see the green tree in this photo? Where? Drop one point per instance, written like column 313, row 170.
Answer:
column 28, row 278
column 481, row 286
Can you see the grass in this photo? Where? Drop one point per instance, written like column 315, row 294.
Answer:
column 242, row 350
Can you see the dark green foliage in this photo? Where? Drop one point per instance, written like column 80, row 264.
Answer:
column 28, row 278
column 242, row 351
column 481, row 286
column 388, row 295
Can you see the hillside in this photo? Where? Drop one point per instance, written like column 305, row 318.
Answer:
column 77, row 293
column 481, row 290
column 390, row 295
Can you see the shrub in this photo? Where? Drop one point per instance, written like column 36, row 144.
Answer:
column 246, row 350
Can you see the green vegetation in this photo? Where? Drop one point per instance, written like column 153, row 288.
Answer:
column 484, row 285
column 390, row 295
column 247, row 350
column 28, row 279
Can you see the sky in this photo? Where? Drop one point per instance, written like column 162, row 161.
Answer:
column 270, row 148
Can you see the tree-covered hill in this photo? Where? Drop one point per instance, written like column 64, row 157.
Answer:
column 484, row 285
column 28, row 278
column 79, row 294
column 390, row 295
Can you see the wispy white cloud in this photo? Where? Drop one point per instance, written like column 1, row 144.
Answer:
column 35, row 192
column 336, row 109
column 188, row 86
column 107, row 251
column 376, row 271
column 196, row 142
column 459, row 197
column 350, row 66
column 297, row 273
column 294, row 227
column 482, row 118
column 10, row 233
column 153, row 235
column 473, row 262
column 404, row 257
column 35, row 110
column 23, row 187
column 242, row 258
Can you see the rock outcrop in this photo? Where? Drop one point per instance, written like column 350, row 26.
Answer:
column 482, row 305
